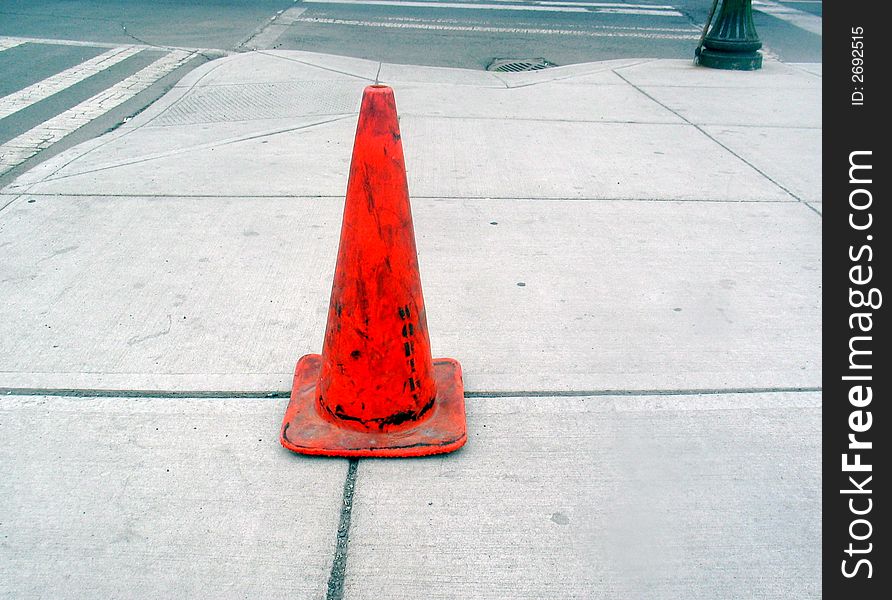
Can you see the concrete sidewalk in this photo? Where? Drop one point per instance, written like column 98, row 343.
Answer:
column 624, row 256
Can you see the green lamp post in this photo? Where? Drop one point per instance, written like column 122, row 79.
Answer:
column 732, row 43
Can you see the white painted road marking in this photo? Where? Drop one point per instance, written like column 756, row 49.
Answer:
column 635, row 11
column 53, row 42
column 570, row 3
column 6, row 43
column 52, row 85
column 525, row 27
column 411, row 4
column 567, row 7
column 602, row 4
column 62, row 42
column 23, row 147
column 266, row 37
column 656, row 34
column 799, row 18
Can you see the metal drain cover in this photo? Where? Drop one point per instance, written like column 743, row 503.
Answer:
column 514, row 65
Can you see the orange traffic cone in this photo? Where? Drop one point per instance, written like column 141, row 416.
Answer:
column 375, row 391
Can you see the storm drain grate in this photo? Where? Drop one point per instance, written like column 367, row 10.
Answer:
column 514, row 65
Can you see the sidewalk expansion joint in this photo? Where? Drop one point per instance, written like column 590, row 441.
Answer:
column 210, row 145
column 808, row 204
column 15, row 196
column 706, row 133
column 120, row 393
column 315, row 66
column 277, row 394
column 339, row 564
column 655, row 392
column 340, row 197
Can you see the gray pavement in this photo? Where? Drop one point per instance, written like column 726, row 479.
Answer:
column 625, row 256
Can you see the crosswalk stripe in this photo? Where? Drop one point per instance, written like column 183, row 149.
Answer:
column 58, row 42
column 7, row 43
column 23, row 147
column 637, row 11
column 526, row 26
column 605, row 5
column 52, row 85
column 655, row 34
column 279, row 24
column 95, row 44
column 589, row 4
column 567, row 7
column 478, row 6
column 794, row 16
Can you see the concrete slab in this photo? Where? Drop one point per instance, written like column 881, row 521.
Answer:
column 789, row 156
column 161, row 498
column 813, row 68
column 266, row 66
column 580, row 71
column 773, row 74
column 445, row 157
column 753, row 107
column 234, row 98
column 633, row 497
column 818, row 206
column 545, row 102
column 214, row 116
column 153, row 142
column 281, row 123
column 603, row 76
column 260, row 124
column 275, row 85
column 393, row 74
column 300, row 159
column 281, row 66
column 226, row 293
column 516, row 159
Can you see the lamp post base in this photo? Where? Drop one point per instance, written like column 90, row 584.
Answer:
column 738, row 61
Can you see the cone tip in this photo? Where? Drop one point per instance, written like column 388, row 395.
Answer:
column 378, row 104
column 378, row 88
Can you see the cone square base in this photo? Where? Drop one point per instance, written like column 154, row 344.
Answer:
column 307, row 431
